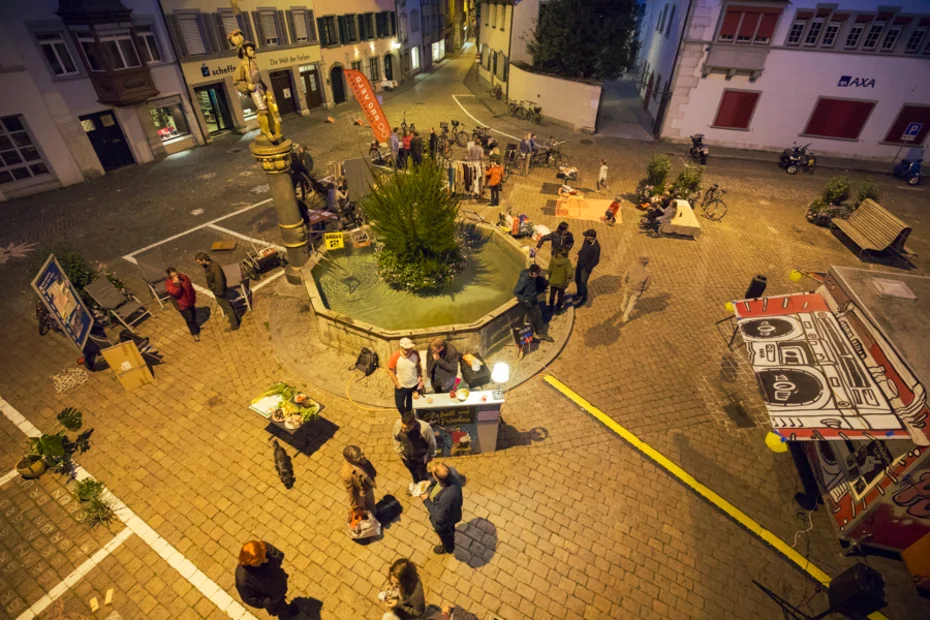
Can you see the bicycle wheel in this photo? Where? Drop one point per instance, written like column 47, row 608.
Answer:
column 461, row 138
column 708, row 197
column 513, row 109
column 716, row 210
column 44, row 325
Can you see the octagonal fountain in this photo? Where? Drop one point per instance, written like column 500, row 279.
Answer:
column 353, row 307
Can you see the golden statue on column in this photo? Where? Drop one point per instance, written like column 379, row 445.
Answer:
column 248, row 81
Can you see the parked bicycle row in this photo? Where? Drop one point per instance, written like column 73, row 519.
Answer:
column 526, row 110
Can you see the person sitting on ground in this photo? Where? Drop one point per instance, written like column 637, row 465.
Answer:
column 654, row 222
column 562, row 239
column 610, row 216
column 404, row 596
column 442, row 365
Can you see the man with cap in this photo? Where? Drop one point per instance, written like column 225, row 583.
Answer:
column 636, row 281
column 404, row 369
column 588, row 257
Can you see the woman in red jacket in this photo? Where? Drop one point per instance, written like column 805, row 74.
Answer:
column 180, row 288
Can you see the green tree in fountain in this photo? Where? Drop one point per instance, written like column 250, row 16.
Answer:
column 414, row 218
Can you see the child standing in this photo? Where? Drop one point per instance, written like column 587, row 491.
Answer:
column 602, row 176
column 611, row 214
column 560, row 274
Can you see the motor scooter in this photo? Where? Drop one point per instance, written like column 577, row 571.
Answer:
column 797, row 157
column 698, row 149
column 909, row 170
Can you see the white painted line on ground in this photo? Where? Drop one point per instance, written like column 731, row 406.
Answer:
column 454, row 98
column 136, row 526
column 190, row 230
column 268, row 280
column 8, row 477
column 79, row 573
column 237, row 234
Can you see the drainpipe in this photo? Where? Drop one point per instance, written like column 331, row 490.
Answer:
column 177, row 63
column 666, row 97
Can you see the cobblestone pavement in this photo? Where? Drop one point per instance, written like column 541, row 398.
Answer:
column 566, row 521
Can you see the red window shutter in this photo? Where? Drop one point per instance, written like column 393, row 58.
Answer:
column 823, row 12
column 902, row 21
column 748, row 27
column 804, row 15
column 730, row 22
column 864, row 19
column 767, row 27
column 910, row 114
column 839, row 118
column 923, row 23
column 736, row 108
column 839, row 17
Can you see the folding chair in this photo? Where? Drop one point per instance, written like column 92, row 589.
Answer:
column 125, row 308
column 239, row 291
column 153, row 272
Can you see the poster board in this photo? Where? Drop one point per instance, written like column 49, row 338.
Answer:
column 455, row 429
column 63, row 301
column 127, row 363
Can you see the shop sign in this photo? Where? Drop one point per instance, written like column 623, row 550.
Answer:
column 848, row 81
column 207, row 71
column 287, row 60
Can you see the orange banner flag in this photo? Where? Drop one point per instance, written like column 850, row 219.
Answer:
column 365, row 95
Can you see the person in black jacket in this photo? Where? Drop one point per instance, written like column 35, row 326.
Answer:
column 561, row 238
column 433, row 143
column 443, row 500
column 588, row 257
column 526, row 292
column 442, row 365
column 416, row 149
column 216, row 282
column 260, row 580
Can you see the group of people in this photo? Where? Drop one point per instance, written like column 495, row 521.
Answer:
column 408, row 145
column 661, row 211
column 406, row 371
column 530, row 148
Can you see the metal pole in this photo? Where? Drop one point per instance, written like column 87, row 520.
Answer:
column 275, row 161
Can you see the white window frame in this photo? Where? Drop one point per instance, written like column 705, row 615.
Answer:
column 88, row 38
column 146, row 37
column 23, row 163
column 855, row 30
column 893, row 33
column 831, row 33
column 796, row 32
column 915, row 41
column 263, row 15
column 876, row 28
column 116, row 38
column 812, row 36
column 55, row 41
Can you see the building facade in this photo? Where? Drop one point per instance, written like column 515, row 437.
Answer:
column 503, row 29
column 852, row 79
column 87, row 88
column 286, row 47
column 433, row 17
column 361, row 35
column 410, row 36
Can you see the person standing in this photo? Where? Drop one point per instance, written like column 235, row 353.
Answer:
column 443, row 501
column 602, row 176
column 474, row 151
column 636, row 281
column 416, row 149
column 415, row 442
column 526, row 151
column 358, row 478
column 405, row 598
column 526, row 292
column 404, row 369
column 182, row 291
column 560, row 274
column 561, row 238
column 260, row 580
column 216, row 282
column 433, row 143
column 495, row 178
column 442, row 365
column 405, row 141
column 395, row 144
column 588, row 257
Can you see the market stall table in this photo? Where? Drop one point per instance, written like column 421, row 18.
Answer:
column 462, row 427
column 289, row 401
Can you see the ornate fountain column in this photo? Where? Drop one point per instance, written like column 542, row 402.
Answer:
column 275, row 161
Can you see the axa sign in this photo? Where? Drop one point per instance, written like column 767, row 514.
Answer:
column 848, row 81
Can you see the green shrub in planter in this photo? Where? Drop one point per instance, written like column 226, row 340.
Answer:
column 819, row 212
column 657, row 171
column 867, row 190
column 837, row 191
column 688, row 184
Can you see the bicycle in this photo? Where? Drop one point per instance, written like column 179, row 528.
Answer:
column 459, row 134
column 554, row 154
column 713, row 207
column 445, row 140
column 403, row 124
column 46, row 320
column 532, row 113
column 514, row 108
column 496, row 91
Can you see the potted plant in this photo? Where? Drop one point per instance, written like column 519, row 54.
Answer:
column 54, row 450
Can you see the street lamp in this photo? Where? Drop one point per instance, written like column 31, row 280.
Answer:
column 500, row 374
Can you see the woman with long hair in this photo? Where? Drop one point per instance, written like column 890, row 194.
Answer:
column 404, row 596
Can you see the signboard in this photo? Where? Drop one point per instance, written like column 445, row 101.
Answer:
column 63, row 302
column 812, row 371
column 216, row 69
column 848, row 81
column 365, row 95
column 454, row 428
column 911, row 132
column 334, row 240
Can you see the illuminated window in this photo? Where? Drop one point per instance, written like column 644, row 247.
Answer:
column 169, row 121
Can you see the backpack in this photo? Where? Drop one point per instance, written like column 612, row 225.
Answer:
column 367, row 361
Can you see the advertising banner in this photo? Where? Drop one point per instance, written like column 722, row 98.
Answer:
column 62, row 300
column 365, row 95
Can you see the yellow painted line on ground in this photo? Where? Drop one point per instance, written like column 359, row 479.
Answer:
column 684, row 477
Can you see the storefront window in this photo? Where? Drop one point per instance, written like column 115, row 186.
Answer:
column 169, row 122
column 439, row 50
column 415, row 58
column 248, row 106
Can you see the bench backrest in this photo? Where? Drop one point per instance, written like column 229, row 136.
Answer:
column 880, row 225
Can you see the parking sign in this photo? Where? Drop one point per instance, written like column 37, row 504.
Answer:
column 911, row 131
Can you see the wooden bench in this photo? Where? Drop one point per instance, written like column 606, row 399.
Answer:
column 874, row 229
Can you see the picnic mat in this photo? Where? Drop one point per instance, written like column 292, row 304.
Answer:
column 580, row 208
